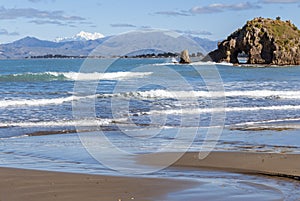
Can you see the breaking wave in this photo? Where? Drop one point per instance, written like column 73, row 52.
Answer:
column 161, row 94
column 226, row 109
column 83, row 122
column 40, row 102
column 72, row 76
column 157, row 94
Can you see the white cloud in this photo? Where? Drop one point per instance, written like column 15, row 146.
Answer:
column 41, row 22
column 219, row 7
column 123, row 25
column 31, row 13
column 5, row 32
column 212, row 8
column 280, row 1
column 172, row 13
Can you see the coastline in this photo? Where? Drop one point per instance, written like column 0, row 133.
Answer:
column 30, row 140
column 35, row 185
column 276, row 164
column 31, row 185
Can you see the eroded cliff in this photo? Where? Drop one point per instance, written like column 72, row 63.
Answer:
column 264, row 41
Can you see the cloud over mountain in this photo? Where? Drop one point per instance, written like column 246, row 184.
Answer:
column 194, row 32
column 212, row 8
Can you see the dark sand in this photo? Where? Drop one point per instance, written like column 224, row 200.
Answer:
column 31, row 185
column 278, row 164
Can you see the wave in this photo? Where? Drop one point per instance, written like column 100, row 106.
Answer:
column 270, row 121
column 220, row 110
column 197, row 63
column 82, row 123
column 210, row 63
column 32, row 77
column 265, row 94
column 165, row 64
column 102, row 76
column 73, row 76
column 157, row 94
column 40, row 102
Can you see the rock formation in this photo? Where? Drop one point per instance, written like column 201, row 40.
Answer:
column 184, row 57
column 265, row 41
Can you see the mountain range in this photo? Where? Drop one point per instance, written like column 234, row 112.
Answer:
column 84, row 43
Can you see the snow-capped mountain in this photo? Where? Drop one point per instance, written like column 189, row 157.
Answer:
column 81, row 36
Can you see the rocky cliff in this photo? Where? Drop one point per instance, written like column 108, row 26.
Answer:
column 264, row 41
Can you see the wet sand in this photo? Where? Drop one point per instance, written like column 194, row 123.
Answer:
column 278, row 164
column 32, row 185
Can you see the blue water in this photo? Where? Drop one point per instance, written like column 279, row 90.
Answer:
column 37, row 92
column 260, row 113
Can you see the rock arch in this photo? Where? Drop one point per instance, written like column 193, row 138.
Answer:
column 263, row 44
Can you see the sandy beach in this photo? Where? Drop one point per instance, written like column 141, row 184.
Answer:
column 277, row 164
column 32, row 185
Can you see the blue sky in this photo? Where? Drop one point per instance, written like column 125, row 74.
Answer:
column 213, row 19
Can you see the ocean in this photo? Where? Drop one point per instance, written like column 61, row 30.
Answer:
column 140, row 106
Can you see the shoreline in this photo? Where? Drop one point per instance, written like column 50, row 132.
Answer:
column 273, row 164
column 36, row 185
column 31, row 185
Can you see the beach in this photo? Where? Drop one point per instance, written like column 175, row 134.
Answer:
column 152, row 101
column 276, row 164
column 34, row 185
column 74, row 144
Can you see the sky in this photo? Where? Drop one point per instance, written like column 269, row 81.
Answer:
column 212, row 19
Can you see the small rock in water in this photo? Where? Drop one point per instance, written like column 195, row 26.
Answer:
column 184, row 57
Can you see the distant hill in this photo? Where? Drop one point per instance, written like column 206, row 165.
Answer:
column 206, row 44
column 30, row 46
column 110, row 46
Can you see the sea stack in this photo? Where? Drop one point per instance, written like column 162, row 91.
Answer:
column 184, row 57
column 264, row 41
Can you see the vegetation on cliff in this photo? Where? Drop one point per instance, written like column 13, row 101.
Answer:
column 285, row 33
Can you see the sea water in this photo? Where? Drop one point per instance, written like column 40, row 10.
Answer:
column 259, row 111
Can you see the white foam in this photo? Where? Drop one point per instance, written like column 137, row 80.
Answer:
column 197, row 63
column 159, row 94
column 268, row 121
column 210, row 63
column 74, row 76
column 40, row 102
column 165, row 64
column 82, row 123
column 206, row 94
column 156, row 94
column 100, row 76
column 265, row 94
column 226, row 109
